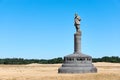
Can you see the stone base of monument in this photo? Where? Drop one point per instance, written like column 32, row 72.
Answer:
column 77, row 63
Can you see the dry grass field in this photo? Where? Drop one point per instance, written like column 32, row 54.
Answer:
column 106, row 71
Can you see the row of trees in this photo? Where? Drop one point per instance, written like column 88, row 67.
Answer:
column 29, row 61
column 113, row 59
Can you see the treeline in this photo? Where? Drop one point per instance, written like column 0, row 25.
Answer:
column 29, row 61
column 113, row 59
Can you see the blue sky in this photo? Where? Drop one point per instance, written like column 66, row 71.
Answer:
column 44, row 28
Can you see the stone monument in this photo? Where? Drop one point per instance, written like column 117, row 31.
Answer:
column 77, row 62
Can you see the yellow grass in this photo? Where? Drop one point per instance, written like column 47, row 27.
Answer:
column 106, row 71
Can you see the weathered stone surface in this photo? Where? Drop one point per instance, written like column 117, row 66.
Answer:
column 77, row 42
column 77, row 70
column 77, row 62
column 77, row 20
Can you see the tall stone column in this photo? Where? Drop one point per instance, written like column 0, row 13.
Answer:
column 77, row 42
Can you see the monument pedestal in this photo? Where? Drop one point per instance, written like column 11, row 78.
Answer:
column 77, row 62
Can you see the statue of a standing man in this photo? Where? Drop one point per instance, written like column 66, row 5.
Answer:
column 77, row 22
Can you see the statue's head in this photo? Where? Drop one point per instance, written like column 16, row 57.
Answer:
column 76, row 14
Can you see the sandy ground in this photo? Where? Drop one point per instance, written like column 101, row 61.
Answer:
column 106, row 71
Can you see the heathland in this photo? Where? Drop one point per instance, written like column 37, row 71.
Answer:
column 106, row 71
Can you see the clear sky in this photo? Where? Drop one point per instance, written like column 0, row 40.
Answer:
column 45, row 28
